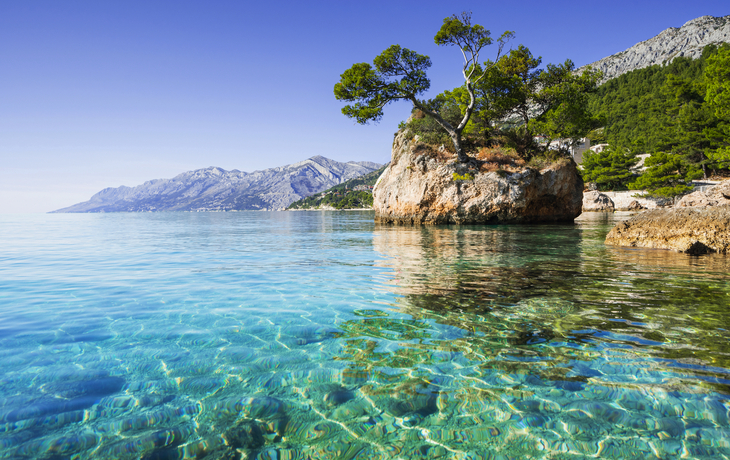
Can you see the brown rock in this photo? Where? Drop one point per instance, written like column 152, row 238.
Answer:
column 418, row 189
column 597, row 202
column 692, row 230
column 635, row 206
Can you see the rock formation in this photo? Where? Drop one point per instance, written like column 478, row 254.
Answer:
column 635, row 206
column 215, row 189
column 597, row 202
column 690, row 230
column 418, row 188
column 688, row 41
column 719, row 195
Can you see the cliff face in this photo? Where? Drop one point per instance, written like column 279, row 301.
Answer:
column 215, row 189
column 687, row 41
column 416, row 189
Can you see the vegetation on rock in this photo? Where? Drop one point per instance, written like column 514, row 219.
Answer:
column 509, row 101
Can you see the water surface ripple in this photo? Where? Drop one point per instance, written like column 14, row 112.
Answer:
column 298, row 335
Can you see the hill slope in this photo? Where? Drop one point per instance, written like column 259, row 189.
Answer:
column 215, row 189
column 687, row 41
column 343, row 196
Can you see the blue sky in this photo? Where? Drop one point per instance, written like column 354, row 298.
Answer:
column 102, row 94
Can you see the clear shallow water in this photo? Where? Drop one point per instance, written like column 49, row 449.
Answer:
column 324, row 335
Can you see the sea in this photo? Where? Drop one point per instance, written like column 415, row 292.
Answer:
column 324, row 335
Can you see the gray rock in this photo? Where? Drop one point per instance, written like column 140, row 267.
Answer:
column 215, row 189
column 719, row 195
column 686, row 41
column 597, row 202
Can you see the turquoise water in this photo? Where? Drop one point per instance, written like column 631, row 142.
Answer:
column 298, row 335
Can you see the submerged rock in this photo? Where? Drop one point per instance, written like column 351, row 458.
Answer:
column 691, row 230
column 597, row 202
column 418, row 189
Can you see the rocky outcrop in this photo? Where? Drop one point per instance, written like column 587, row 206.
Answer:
column 417, row 188
column 635, row 206
column 597, row 202
column 690, row 230
column 719, row 195
column 629, row 200
column 688, row 41
column 215, row 189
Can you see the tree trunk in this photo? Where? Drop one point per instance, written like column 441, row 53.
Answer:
column 454, row 133
column 460, row 154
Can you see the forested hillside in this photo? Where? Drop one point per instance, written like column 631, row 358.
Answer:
column 344, row 195
column 677, row 112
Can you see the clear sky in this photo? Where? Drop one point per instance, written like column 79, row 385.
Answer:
column 97, row 94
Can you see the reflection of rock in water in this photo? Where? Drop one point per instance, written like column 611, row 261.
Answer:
column 466, row 267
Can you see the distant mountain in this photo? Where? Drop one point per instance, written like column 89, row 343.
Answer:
column 352, row 194
column 215, row 189
column 686, row 41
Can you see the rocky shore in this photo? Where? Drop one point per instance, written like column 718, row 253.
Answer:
column 694, row 230
column 418, row 188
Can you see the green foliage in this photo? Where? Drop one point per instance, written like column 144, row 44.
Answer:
column 665, row 176
column 597, row 136
column 717, row 75
column 677, row 112
column 609, row 169
column 399, row 73
column 342, row 196
column 464, row 177
column 551, row 102
column 458, row 31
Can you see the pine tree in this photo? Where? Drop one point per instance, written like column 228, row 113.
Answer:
column 609, row 169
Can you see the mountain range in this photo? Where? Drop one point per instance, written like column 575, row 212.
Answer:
column 215, row 189
column 688, row 41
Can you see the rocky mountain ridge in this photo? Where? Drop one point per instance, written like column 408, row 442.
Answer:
column 687, row 41
column 215, row 189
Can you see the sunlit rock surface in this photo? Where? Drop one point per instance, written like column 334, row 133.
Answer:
column 693, row 230
column 597, row 202
column 719, row 195
column 418, row 189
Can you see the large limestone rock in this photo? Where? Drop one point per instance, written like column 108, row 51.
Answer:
column 597, row 202
column 692, row 230
column 419, row 189
column 719, row 195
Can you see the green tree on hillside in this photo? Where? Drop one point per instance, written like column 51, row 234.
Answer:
column 400, row 73
column 717, row 96
column 665, row 176
column 609, row 169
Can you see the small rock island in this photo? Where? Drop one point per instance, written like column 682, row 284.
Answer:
column 426, row 186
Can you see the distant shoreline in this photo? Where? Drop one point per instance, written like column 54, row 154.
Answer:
column 332, row 209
